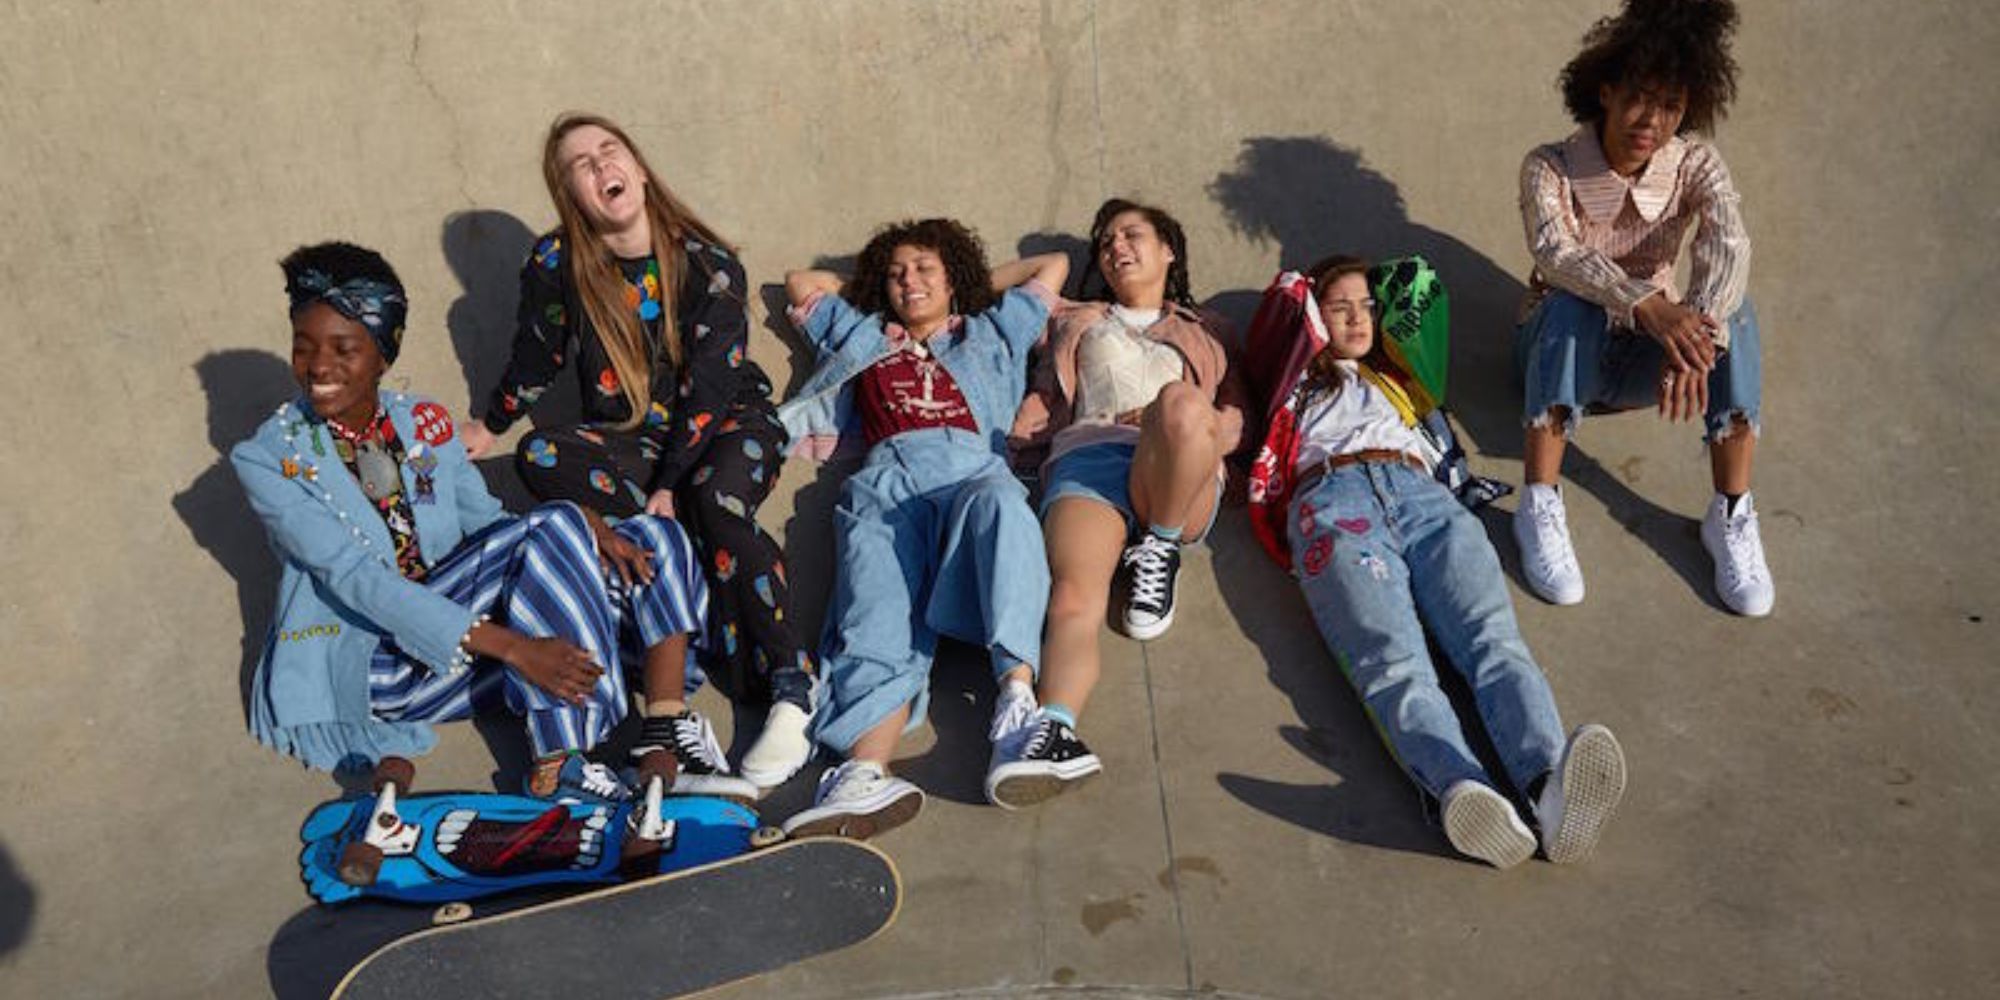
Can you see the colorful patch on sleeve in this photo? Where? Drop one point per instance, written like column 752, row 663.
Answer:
column 602, row 482
column 542, row 452
column 731, row 504
column 656, row 415
column 752, row 450
column 703, row 474
column 548, row 253
column 433, row 423
column 736, row 356
column 607, row 382
column 725, row 565
column 764, row 592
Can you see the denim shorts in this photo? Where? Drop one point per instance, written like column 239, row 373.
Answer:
column 1103, row 472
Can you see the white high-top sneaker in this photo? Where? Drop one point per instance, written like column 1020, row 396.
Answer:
column 1548, row 561
column 1742, row 579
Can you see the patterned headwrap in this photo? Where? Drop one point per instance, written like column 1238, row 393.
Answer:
column 377, row 305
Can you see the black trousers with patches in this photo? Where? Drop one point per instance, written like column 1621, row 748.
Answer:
column 751, row 646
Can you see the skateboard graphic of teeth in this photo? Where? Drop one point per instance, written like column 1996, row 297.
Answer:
column 452, row 828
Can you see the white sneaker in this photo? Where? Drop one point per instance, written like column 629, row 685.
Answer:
column 858, row 800
column 781, row 749
column 1731, row 538
column 1481, row 823
column 1581, row 794
column 1548, row 561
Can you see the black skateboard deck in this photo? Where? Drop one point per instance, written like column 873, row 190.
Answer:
column 661, row 937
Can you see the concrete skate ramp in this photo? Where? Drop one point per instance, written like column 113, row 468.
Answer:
column 1813, row 795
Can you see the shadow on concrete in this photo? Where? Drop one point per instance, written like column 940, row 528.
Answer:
column 17, row 904
column 243, row 387
column 1371, row 801
column 1313, row 197
column 485, row 248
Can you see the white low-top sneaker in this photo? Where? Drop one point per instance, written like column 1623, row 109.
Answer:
column 781, row 749
column 1481, row 823
column 858, row 800
column 1580, row 795
column 1548, row 560
column 1742, row 579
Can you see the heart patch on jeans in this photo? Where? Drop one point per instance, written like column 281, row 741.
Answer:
column 1352, row 525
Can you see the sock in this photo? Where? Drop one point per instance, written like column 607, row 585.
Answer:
column 664, row 709
column 1165, row 533
column 1059, row 713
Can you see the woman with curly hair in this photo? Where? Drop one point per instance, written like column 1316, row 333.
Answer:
column 1384, row 553
column 1606, row 211
column 648, row 303
column 1136, row 398
column 409, row 597
column 924, row 352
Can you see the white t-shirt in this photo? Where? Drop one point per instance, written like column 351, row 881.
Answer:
column 1356, row 418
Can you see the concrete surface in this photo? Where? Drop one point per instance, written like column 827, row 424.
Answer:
column 1812, row 797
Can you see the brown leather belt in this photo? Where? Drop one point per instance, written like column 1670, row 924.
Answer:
column 1366, row 456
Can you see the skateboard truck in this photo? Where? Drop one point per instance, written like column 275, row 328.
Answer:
column 650, row 832
column 385, row 833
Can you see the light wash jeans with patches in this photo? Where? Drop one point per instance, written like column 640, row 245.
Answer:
column 1382, row 551
column 932, row 537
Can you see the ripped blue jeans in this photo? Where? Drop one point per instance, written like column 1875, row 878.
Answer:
column 1568, row 356
column 1381, row 552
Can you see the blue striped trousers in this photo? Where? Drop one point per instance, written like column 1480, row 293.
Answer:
column 539, row 575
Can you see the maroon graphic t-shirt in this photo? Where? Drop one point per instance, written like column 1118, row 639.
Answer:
column 908, row 391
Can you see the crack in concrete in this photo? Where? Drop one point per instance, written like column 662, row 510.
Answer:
column 1097, row 99
column 457, row 131
column 1166, row 818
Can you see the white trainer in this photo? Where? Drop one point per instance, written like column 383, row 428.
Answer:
column 1481, row 823
column 1742, row 579
column 858, row 800
column 1548, row 560
column 781, row 749
column 1580, row 795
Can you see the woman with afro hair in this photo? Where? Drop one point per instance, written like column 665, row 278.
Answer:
column 924, row 352
column 1606, row 212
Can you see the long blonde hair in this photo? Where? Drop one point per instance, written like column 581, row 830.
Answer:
column 595, row 272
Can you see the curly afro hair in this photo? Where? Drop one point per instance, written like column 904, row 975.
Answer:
column 1676, row 43
column 964, row 263
column 340, row 262
column 1094, row 284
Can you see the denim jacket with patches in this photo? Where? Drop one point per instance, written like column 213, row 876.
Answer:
column 986, row 354
column 339, row 591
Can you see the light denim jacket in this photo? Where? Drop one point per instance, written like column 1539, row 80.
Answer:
column 339, row 592
column 986, row 354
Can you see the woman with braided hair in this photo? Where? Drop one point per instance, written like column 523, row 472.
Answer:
column 647, row 302
column 1606, row 211
column 407, row 596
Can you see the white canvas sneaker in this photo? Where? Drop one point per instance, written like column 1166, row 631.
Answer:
column 858, row 800
column 1579, row 797
column 1481, row 823
column 781, row 749
column 1742, row 579
column 1548, row 561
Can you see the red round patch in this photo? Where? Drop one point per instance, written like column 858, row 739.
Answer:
column 1316, row 555
column 433, row 424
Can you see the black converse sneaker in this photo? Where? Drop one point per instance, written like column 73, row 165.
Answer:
column 1045, row 760
column 701, row 768
column 1155, row 566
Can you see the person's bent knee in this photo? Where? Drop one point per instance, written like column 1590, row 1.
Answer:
column 1183, row 413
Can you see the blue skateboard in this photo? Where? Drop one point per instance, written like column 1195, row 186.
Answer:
column 455, row 846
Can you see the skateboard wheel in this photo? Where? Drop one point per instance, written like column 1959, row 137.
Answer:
column 452, row 913
column 397, row 771
column 360, row 862
column 766, row 836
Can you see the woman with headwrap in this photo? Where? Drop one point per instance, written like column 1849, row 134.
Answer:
column 407, row 596
column 647, row 303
